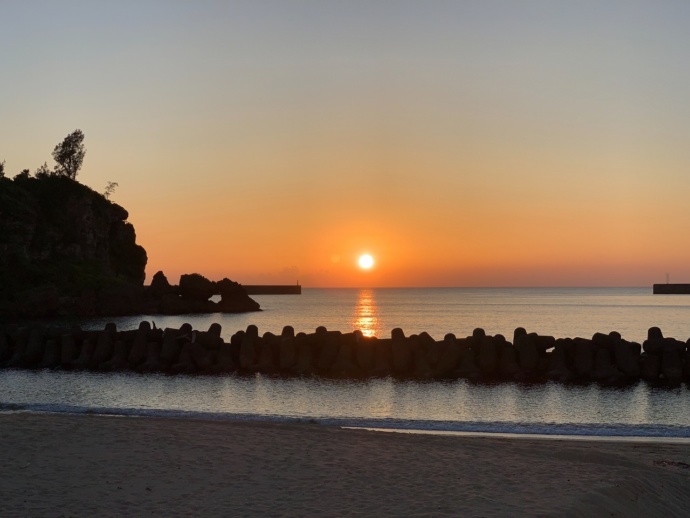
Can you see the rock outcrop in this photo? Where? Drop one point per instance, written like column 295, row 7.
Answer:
column 68, row 250
column 193, row 295
column 62, row 245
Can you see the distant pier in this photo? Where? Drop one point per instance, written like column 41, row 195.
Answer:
column 272, row 289
column 671, row 289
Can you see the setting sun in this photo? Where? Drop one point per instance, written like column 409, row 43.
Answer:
column 366, row 261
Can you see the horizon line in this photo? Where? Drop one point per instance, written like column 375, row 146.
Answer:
column 455, row 287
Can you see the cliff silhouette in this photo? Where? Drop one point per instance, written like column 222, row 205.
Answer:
column 61, row 242
column 67, row 250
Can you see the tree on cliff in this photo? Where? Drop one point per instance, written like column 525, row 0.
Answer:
column 69, row 154
column 42, row 171
column 110, row 189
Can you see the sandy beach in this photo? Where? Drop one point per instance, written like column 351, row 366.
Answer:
column 55, row 465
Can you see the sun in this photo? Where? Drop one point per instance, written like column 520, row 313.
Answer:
column 366, row 261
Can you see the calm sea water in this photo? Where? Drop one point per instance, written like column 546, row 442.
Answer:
column 639, row 410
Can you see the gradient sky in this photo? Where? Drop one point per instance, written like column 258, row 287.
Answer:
column 469, row 143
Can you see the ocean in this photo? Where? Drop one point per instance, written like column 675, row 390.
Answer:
column 640, row 410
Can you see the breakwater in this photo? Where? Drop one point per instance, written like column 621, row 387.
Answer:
column 671, row 289
column 608, row 359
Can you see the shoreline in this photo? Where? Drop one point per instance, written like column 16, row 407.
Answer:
column 328, row 423
column 532, row 436
column 79, row 465
column 367, row 424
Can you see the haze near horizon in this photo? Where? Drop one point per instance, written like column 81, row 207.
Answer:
column 477, row 143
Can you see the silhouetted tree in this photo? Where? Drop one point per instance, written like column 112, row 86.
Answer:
column 23, row 175
column 109, row 189
column 2, row 169
column 69, row 154
column 43, row 171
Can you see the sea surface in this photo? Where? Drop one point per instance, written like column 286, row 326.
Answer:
column 640, row 410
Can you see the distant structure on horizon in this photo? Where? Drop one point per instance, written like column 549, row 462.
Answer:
column 671, row 289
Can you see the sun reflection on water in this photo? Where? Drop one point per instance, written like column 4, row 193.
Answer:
column 366, row 315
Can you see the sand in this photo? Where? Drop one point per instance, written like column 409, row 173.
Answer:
column 59, row 465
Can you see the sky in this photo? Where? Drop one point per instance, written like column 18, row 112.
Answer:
column 467, row 143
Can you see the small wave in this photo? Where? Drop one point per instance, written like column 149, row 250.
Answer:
column 475, row 427
column 547, row 429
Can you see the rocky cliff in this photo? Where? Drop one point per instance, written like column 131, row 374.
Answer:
column 68, row 250
column 61, row 244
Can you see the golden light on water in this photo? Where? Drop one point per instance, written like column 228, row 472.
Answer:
column 366, row 317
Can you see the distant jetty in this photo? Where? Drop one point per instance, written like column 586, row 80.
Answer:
column 671, row 289
column 272, row 289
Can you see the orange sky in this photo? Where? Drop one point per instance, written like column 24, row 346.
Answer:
column 473, row 144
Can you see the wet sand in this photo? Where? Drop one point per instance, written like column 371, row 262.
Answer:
column 60, row 465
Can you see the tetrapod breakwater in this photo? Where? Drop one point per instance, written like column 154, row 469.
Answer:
column 605, row 358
